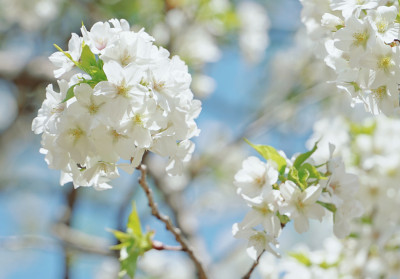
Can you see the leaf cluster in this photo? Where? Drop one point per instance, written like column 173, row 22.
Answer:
column 302, row 173
column 133, row 243
column 89, row 64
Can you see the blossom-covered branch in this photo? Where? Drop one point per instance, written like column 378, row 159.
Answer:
column 297, row 189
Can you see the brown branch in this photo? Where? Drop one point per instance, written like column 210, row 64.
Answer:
column 168, row 224
column 248, row 274
column 170, row 197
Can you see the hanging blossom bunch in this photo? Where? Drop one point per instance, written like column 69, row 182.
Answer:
column 371, row 150
column 128, row 98
column 359, row 41
column 282, row 190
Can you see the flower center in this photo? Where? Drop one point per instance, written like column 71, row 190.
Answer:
column 360, row 39
column 382, row 26
column 158, row 86
column 260, row 181
column 380, row 92
column 115, row 135
column 76, row 133
column 137, row 119
column 384, row 62
column 125, row 58
column 93, row 108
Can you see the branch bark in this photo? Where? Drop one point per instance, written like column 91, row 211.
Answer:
column 168, row 224
column 248, row 274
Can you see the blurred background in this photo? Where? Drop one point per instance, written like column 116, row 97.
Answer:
column 256, row 77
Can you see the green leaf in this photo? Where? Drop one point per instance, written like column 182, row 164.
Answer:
column 312, row 171
column 129, row 263
column 133, row 244
column 134, row 222
column 70, row 93
column 270, row 153
column 304, row 174
column 119, row 246
column 331, row 207
column 301, row 258
column 87, row 59
column 121, row 236
column 304, row 156
column 294, row 176
column 89, row 64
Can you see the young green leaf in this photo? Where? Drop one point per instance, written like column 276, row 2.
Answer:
column 129, row 261
column 70, row 93
column 331, row 207
column 312, row 171
column 294, row 176
column 304, row 156
column 87, row 59
column 133, row 244
column 133, row 225
column 270, row 153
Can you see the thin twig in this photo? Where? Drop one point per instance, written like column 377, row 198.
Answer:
column 168, row 224
column 157, row 245
column 248, row 274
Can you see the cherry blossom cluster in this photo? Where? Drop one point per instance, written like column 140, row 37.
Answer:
column 359, row 41
column 371, row 150
column 126, row 98
column 282, row 190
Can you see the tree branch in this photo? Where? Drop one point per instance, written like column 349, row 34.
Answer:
column 157, row 245
column 168, row 224
column 248, row 274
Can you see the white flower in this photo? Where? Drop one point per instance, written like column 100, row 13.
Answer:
column 384, row 23
column 131, row 48
column 51, row 109
column 183, row 153
column 343, row 216
column 355, row 38
column 383, row 62
column 340, row 185
column 301, row 205
column 88, row 105
column 255, row 177
column 62, row 62
column 349, row 6
column 331, row 21
column 99, row 37
column 257, row 241
column 263, row 211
